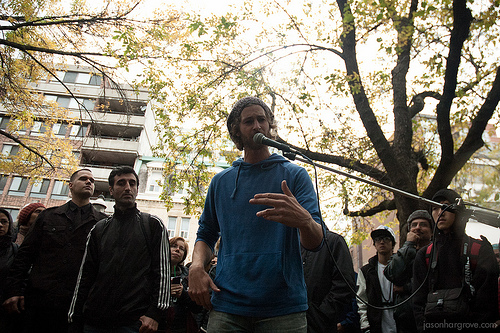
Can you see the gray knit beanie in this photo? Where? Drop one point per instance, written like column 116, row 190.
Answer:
column 420, row 214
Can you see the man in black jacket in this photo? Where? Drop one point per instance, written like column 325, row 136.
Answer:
column 49, row 259
column 124, row 281
column 328, row 294
column 374, row 288
column 449, row 271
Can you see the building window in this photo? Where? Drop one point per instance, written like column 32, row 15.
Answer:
column 80, row 78
column 172, row 224
column 38, row 128
column 185, row 227
column 154, row 182
column 9, row 150
column 71, row 103
column 3, row 182
column 18, row 186
column 60, row 129
column 77, row 130
column 70, row 77
column 39, row 189
column 63, row 101
column 88, row 103
column 60, row 190
column 4, row 121
column 13, row 212
column 95, row 80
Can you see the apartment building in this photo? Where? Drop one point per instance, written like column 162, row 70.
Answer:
column 115, row 127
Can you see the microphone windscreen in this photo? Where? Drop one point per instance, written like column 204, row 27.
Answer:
column 258, row 137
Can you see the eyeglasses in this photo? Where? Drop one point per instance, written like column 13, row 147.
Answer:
column 385, row 239
column 4, row 221
column 175, row 246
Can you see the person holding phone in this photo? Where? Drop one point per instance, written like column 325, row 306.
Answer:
column 180, row 314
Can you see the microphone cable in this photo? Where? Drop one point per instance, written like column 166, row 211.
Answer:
column 291, row 156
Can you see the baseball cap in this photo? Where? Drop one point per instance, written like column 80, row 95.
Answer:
column 383, row 231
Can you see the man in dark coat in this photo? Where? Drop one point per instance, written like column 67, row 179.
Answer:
column 124, row 280
column 399, row 270
column 374, row 288
column 50, row 257
column 328, row 294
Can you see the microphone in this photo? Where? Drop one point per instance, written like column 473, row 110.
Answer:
column 262, row 139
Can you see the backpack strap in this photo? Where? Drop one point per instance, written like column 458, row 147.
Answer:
column 428, row 254
column 431, row 257
column 146, row 231
column 467, row 267
column 475, row 246
column 15, row 248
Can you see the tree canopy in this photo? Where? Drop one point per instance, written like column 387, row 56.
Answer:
column 39, row 37
column 373, row 87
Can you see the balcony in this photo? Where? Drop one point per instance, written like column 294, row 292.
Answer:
column 108, row 118
column 111, row 144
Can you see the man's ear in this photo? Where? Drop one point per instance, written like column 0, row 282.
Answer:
column 111, row 190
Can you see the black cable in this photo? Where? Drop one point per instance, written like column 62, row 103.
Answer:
column 325, row 240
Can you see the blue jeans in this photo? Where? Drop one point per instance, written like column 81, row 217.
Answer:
column 122, row 329
column 221, row 322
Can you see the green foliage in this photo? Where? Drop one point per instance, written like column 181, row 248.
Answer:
column 294, row 57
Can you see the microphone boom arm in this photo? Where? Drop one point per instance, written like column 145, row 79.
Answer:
column 483, row 215
column 370, row 182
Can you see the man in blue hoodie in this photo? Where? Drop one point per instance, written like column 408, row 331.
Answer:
column 262, row 208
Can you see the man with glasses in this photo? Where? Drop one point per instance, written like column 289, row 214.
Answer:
column 124, row 280
column 374, row 288
column 399, row 270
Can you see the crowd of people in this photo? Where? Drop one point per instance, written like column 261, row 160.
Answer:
column 262, row 261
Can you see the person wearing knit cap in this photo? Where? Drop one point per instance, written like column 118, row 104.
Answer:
column 26, row 218
column 448, row 266
column 399, row 270
column 262, row 208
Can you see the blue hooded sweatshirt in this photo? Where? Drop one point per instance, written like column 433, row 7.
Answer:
column 259, row 267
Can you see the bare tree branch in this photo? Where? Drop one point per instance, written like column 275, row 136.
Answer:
column 383, row 206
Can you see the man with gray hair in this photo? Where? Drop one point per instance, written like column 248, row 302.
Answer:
column 399, row 270
column 262, row 208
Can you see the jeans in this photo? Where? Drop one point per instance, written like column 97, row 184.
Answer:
column 122, row 329
column 221, row 322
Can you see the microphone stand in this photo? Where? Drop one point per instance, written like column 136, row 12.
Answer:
column 484, row 215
